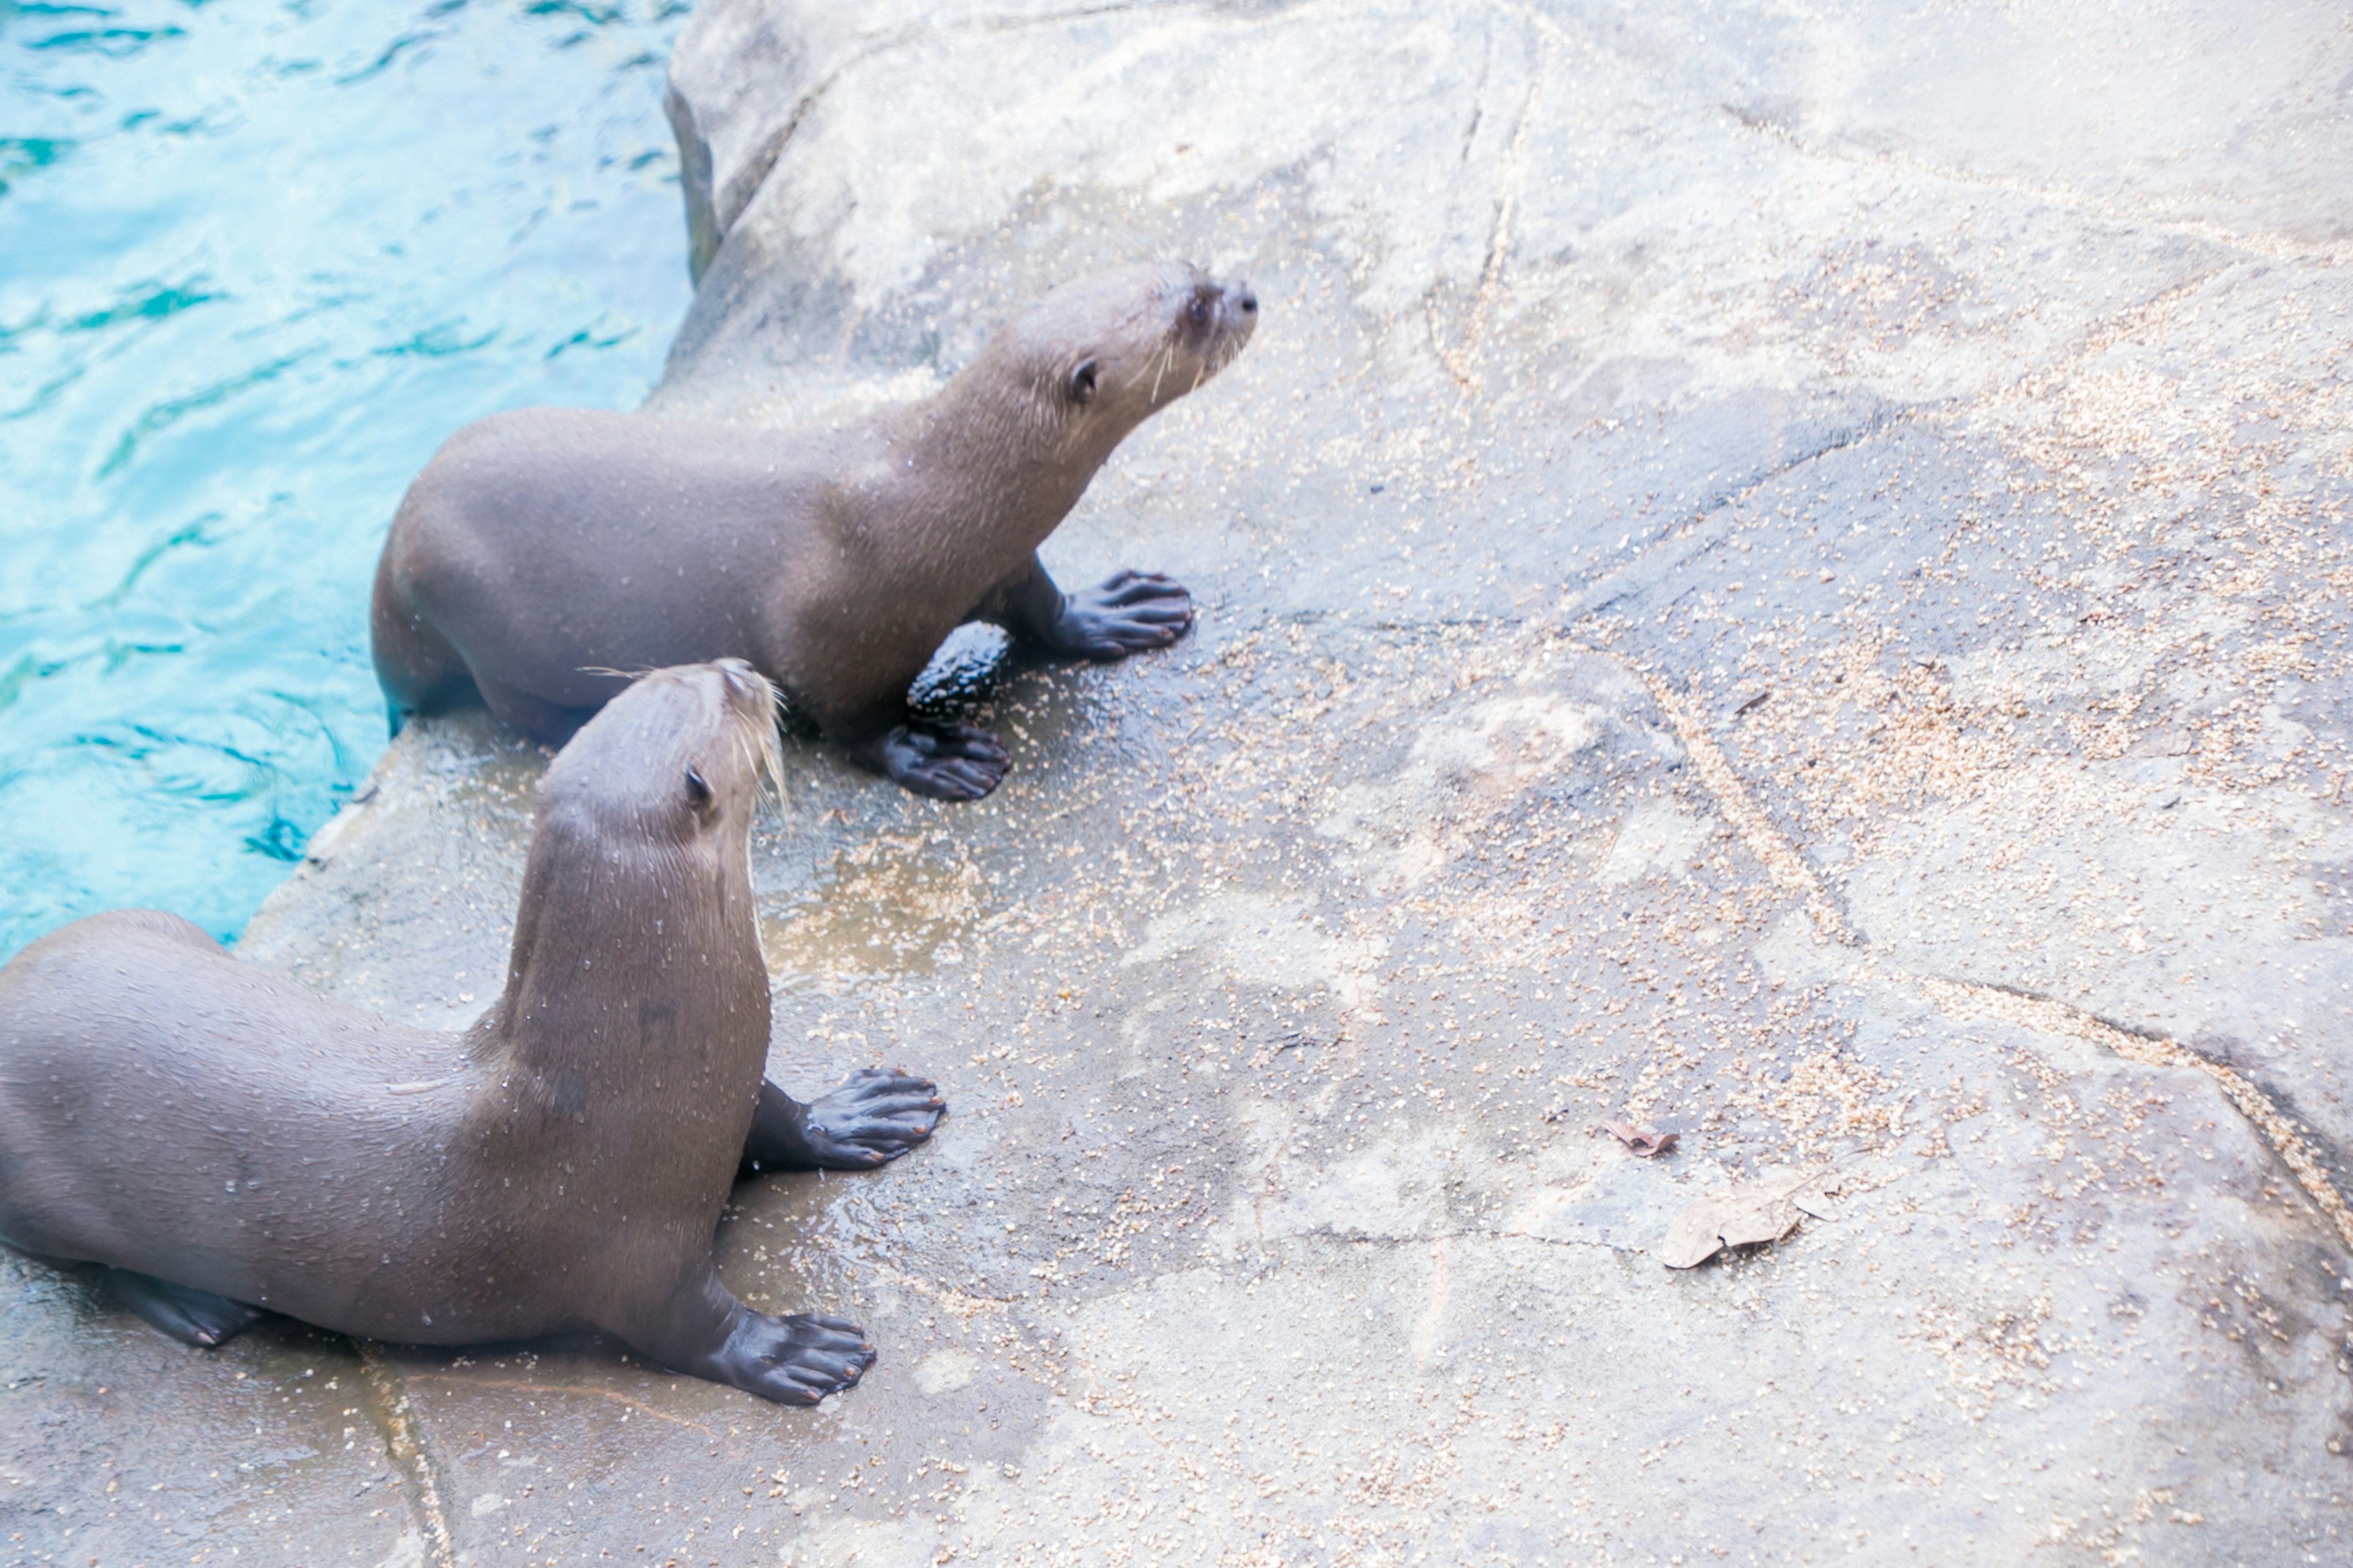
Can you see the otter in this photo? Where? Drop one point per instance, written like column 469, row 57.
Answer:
column 216, row 1143
column 543, row 554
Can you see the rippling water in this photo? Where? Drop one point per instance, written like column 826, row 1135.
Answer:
column 256, row 260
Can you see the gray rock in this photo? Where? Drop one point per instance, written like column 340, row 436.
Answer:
column 1763, row 575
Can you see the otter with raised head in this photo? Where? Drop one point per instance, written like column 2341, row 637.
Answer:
column 540, row 552
column 221, row 1142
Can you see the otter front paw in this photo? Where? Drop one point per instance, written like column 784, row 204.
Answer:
column 794, row 1361
column 1128, row 613
column 946, row 761
column 870, row 1120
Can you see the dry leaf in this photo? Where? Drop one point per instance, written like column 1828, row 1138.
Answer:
column 1639, row 1141
column 1745, row 1216
column 1813, row 1197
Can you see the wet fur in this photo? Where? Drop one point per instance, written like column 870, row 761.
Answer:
column 541, row 549
column 204, row 1124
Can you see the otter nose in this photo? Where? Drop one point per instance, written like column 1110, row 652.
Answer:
column 1245, row 299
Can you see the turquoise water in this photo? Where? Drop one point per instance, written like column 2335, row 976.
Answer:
column 256, row 260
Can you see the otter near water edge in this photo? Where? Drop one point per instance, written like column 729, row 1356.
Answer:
column 544, row 551
column 221, row 1142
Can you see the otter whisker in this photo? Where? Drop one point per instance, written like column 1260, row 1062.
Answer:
column 761, row 749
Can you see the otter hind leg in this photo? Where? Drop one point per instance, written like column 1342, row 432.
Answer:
column 191, row 1316
column 418, row 668
column 549, row 723
column 870, row 1120
column 945, row 762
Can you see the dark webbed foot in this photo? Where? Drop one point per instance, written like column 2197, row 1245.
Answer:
column 794, row 1361
column 870, row 1120
column 1128, row 613
column 191, row 1316
column 946, row 761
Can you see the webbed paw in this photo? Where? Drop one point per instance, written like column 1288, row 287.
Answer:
column 191, row 1316
column 945, row 762
column 794, row 1361
column 871, row 1120
column 1128, row 613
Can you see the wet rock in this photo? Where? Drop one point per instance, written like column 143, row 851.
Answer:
column 1965, row 383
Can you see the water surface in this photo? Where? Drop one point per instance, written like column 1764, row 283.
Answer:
column 256, row 260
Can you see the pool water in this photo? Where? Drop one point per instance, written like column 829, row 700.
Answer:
column 258, row 258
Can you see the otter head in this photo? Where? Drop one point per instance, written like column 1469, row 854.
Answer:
column 1098, row 355
column 673, row 764
column 645, row 831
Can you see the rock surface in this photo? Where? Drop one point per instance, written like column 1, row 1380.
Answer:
column 1776, row 577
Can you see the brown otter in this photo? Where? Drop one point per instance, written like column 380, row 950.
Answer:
column 220, row 1141
column 540, row 552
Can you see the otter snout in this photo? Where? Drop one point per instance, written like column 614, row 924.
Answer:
column 1232, row 310
column 1236, row 312
column 1214, row 319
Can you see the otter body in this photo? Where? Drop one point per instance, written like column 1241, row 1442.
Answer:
column 542, row 551
column 222, row 1142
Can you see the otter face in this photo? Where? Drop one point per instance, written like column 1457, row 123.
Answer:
column 1103, row 353
column 674, row 760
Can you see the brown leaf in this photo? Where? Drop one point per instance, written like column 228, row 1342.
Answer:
column 1746, row 1216
column 1640, row 1140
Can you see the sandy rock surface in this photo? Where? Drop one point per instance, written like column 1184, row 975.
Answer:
column 1776, row 576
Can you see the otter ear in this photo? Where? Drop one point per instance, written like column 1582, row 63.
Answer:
column 697, row 792
column 1082, row 383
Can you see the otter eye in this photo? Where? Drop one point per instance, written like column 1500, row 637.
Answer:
column 698, row 791
column 1199, row 309
column 1083, row 381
